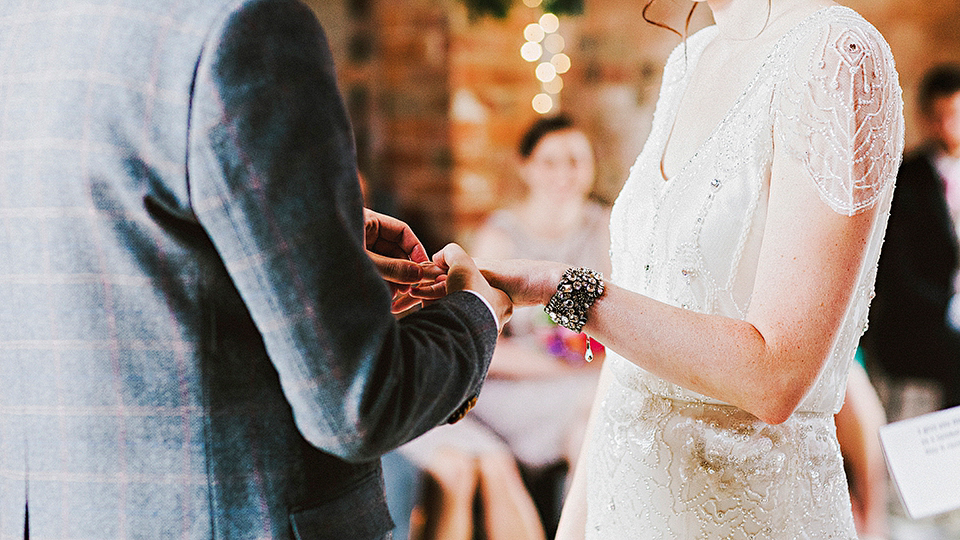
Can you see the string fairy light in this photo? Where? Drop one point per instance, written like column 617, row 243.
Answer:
column 544, row 46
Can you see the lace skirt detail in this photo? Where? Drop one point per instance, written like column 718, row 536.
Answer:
column 663, row 468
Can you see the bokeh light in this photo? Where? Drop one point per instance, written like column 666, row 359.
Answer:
column 534, row 32
column 554, row 43
column 546, row 72
column 554, row 86
column 549, row 22
column 542, row 103
column 561, row 62
column 531, row 52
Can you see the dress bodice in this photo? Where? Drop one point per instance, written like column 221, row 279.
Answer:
column 828, row 93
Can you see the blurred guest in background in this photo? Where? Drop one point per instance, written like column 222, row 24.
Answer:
column 535, row 403
column 858, row 422
column 910, row 335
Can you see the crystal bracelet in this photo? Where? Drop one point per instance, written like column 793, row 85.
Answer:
column 577, row 291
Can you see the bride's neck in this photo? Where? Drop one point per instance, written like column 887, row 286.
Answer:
column 745, row 20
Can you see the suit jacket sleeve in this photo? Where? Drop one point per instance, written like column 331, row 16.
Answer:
column 908, row 333
column 273, row 180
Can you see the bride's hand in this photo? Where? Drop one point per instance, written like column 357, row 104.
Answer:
column 526, row 282
column 460, row 273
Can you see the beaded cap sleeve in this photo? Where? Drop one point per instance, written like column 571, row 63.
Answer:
column 838, row 111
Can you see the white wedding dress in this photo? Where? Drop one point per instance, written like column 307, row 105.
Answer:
column 666, row 462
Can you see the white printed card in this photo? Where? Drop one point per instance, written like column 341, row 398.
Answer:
column 923, row 456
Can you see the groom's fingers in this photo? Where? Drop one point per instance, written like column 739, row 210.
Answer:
column 403, row 302
column 431, row 272
column 389, row 236
column 452, row 257
column 396, row 270
column 461, row 272
column 431, row 291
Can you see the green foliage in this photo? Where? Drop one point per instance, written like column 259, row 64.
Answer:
column 499, row 8
column 496, row 8
column 563, row 7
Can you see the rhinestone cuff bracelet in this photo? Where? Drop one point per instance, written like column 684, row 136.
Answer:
column 576, row 292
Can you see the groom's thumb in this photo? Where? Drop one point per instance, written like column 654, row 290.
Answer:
column 461, row 270
column 394, row 270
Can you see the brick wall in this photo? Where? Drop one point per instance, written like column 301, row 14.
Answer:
column 393, row 65
column 439, row 100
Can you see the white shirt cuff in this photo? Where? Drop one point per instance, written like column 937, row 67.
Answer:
column 489, row 306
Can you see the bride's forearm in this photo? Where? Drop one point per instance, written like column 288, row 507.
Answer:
column 764, row 364
column 721, row 357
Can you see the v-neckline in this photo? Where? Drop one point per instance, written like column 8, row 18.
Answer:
column 685, row 164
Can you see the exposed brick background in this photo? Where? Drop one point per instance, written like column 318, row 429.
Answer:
column 439, row 100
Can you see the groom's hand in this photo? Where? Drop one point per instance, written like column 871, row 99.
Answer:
column 461, row 273
column 390, row 237
column 398, row 255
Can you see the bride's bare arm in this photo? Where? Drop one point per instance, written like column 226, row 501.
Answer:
column 766, row 363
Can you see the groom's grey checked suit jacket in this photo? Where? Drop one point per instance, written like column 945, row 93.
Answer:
column 193, row 343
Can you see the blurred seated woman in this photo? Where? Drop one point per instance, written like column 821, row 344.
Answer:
column 533, row 408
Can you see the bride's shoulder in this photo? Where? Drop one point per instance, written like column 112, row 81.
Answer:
column 839, row 72
column 841, row 30
column 839, row 47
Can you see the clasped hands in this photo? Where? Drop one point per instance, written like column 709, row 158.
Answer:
column 414, row 278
